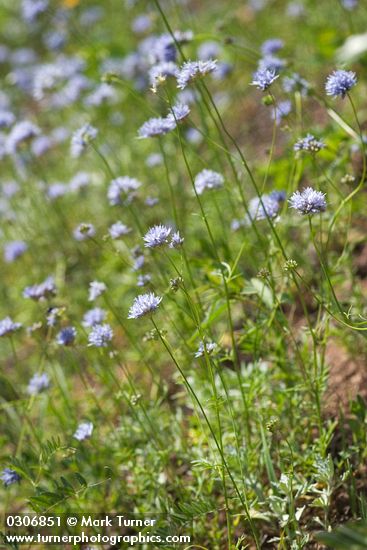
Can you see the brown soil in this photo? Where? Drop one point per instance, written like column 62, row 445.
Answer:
column 347, row 379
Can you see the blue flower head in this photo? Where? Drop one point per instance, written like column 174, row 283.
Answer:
column 66, row 336
column 144, row 304
column 271, row 46
column 100, row 336
column 309, row 201
column 191, row 70
column 295, row 82
column 38, row 383
column 143, row 280
column 7, row 326
column 9, row 477
column 266, row 207
column 271, row 63
column 282, row 110
column 309, row 144
column 208, row 347
column 32, row 9
column 164, row 49
column 157, row 236
column 122, row 188
column 176, row 240
column 350, row 4
column 14, row 250
column 84, row 231
column 118, row 230
column 94, row 316
column 340, row 82
column 179, row 112
column 21, row 132
column 96, row 288
column 6, row 118
column 156, row 127
column 83, row 431
column 41, row 291
column 208, row 179
column 158, row 73
column 264, row 78
column 81, row 139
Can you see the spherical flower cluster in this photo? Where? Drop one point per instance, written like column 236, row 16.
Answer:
column 309, row 144
column 83, row 431
column 96, row 288
column 38, row 383
column 32, row 9
column 209, row 50
column 141, row 24
column 208, row 179
column 6, row 119
column 279, row 196
column 259, row 209
column 158, row 73
column 84, row 231
column 271, row 63
column 157, row 236
column 271, row 46
column 296, row 9
column 350, row 4
column 222, row 71
column 265, row 207
column 340, row 82
column 209, row 348
column 46, row 77
column 118, row 229
column 139, row 262
column 79, row 181
column 21, row 132
column 81, row 139
column 159, row 126
column 192, row 70
column 264, row 78
column 143, row 280
column 41, row 291
column 282, row 110
column 56, row 190
column 120, row 188
column 94, row 316
column 194, row 136
column 309, row 201
column 53, row 315
column 14, row 250
column 154, row 159
column 156, row 127
column 100, row 336
column 164, row 49
column 103, row 94
column 179, row 112
column 66, row 336
column 176, row 240
column 144, row 304
column 8, row 477
column 7, row 326
column 295, row 82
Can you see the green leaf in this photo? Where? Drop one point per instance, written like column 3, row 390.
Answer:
column 7, row 392
column 264, row 292
column 352, row 536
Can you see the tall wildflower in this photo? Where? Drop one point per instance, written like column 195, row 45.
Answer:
column 340, row 82
column 309, row 201
column 144, row 304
